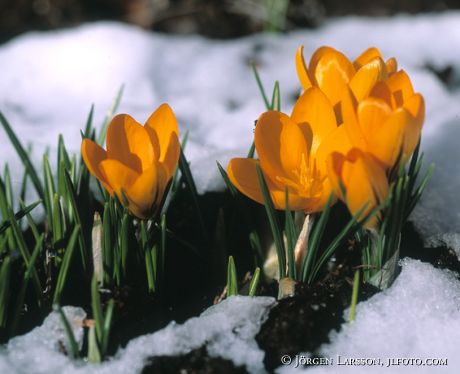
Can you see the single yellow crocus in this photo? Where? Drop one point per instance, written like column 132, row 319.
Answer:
column 139, row 161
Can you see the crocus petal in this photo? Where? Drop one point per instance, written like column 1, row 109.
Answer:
column 348, row 114
column 267, row 139
column 129, row 143
column 400, row 87
column 147, row 191
column 366, row 77
column 365, row 183
column 335, row 161
column 172, row 156
column 315, row 115
column 415, row 105
column 383, row 92
column 337, row 141
column 296, row 201
column 365, row 57
column 293, row 148
column 387, row 143
column 242, row 173
column 118, row 175
column 372, row 114
column 301, row 67
column 392, row 65
column 93, row 155
column 412, row 132
column 332, row 72
column 161, row 125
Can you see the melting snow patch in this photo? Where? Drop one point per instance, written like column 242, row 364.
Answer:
column 227, row 329
column 418, row 317
column 39, row 350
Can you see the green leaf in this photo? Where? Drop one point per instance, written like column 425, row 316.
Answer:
column 348, row 230
column 229, row 184
column 260, row 86
column 21, row 213
column 107, row 326
column 25, row 283
column 276, row 98
column 21, row 243
column 97, row 309
column 254, row 282
column 94, row 355
column 273, row 220
column 354, row 296
column 65, row 266
column 72, row 196
column 5, row 276
column 70, row 336
column 23, row 156
column 314, row 240
column 232, row 281
column 291, row 237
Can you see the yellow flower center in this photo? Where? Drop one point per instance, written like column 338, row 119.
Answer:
column 308, row 181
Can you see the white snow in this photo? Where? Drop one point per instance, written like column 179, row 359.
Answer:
column 49, row 81
column 38, row 351
column 227, row 329
column 418, row 317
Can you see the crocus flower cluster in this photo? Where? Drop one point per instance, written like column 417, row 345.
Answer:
column 353, row 124
column 139, row 161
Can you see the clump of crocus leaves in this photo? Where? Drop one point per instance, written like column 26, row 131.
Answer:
column 352, row 138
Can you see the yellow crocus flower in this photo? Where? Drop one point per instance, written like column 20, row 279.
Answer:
column 139, row 161
column 287, row 147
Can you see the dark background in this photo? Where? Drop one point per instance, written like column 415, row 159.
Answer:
column 213, row 18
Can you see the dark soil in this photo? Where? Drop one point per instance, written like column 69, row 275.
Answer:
column 212, row 18
column 197, row 361
column 302, row 323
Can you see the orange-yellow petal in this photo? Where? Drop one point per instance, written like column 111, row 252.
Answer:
column 302, row 70
column 348, row 114
column 161, row 125
column 293, row 148
column 366, row 77
column 332, row 72
column 93, row 155
column 315, row 116
column 337, row 141
column 267, row 139
column 129, row 143
column 415, row 105
column 242, row 173
column 365, row 183
column 400, row 87
column 118, row 175
column 146, row 193
column 172, row 156
column 392, row 65
column 297, row 202
column 387, row 143
column 383, row 92
column 372, row 114
column 365, row 57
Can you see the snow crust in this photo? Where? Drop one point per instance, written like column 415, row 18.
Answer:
column 418, row 317
column 227, row 329
column 50, row 79
column 38, row 351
